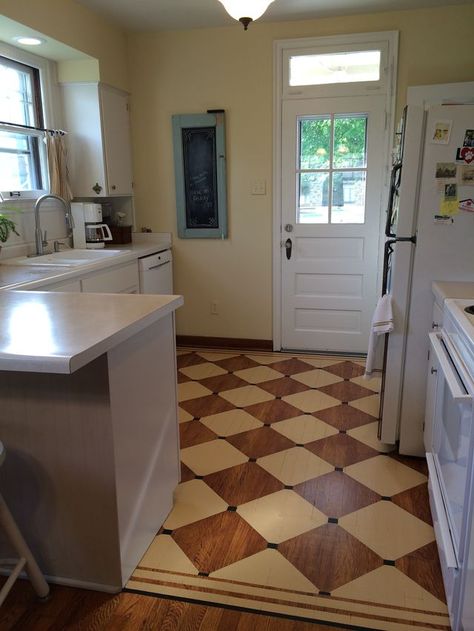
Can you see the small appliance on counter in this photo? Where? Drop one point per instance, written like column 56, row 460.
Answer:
column 89, row 230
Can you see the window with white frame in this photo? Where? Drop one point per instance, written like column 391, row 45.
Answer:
column 22, row 151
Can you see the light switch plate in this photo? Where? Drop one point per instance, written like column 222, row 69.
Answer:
column 259, row 187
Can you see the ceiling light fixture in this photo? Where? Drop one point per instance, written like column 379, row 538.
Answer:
column 246, row 11
column 29, row 41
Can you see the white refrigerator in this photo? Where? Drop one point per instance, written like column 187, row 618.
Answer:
column 424, row 248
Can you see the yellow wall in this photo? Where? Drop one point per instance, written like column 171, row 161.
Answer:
column 195, row 70
column 78, row 27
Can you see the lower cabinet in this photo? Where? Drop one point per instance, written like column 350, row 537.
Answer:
column 72, row 286
column 120, row 279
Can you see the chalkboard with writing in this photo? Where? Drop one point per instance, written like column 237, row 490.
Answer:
column 199, row 147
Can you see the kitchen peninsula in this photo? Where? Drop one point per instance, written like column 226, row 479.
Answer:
column 88, row 417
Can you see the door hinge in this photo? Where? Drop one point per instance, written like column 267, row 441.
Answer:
column 386, row 120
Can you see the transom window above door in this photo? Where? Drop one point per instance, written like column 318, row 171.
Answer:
column 340, row 67
column 332, row 169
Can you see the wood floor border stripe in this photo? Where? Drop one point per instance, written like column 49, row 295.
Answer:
column 423, row 624
column 260, row 612
column 286, row 591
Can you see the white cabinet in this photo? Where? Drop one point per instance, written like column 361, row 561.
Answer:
column 72, row 286
column 122, row 279
column 99, row 147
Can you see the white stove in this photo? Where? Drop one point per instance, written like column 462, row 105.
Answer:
column 458, row 326
column 450, row 454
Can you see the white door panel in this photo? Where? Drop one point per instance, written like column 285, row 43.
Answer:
column 329, row 283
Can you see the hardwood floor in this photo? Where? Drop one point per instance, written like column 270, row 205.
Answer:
column 83, row 610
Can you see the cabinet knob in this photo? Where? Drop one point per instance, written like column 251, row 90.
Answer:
column 434, row 325
column 97, row 188
column 433, row 371
column 113, row 187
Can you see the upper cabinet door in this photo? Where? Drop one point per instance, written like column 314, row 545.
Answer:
column 98, row 126
column 116, row 139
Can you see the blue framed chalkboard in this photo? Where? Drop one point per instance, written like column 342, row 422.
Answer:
column 200, row 175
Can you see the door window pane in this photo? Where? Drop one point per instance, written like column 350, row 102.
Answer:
column 315, row 143
column 313, row 198
column 332, row 169
column 348, row 67
column 348, row 197
column 350, row 142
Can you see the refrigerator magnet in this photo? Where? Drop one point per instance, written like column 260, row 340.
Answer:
column 467, row 205
column 446, row 171
column 465, row 154
column 466, row 175
column 469, row 138
column 441, row 132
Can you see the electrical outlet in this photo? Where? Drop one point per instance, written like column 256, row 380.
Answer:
column 214, row 308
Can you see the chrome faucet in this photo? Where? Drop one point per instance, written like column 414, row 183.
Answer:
column 40, row 239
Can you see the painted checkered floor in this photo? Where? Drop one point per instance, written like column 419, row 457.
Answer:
column 288, row 502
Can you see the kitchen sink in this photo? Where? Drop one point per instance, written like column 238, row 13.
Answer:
column 67, row 258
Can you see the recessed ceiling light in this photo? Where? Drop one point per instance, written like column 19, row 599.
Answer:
column 29, row 41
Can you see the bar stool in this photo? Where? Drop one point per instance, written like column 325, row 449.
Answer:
column 26, row 560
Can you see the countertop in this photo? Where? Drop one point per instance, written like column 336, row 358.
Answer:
column 52, row 332
column 447, row 289
column 29, row 277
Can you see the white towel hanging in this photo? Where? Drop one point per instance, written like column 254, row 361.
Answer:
column 382, row 322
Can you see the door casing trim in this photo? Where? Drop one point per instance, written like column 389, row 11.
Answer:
column 279, row 48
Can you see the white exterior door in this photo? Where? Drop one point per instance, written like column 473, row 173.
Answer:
column 333, row 154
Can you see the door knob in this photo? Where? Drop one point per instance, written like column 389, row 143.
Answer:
column 288, row 248
column 288, row 227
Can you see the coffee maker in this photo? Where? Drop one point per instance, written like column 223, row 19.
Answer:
column 89, row 231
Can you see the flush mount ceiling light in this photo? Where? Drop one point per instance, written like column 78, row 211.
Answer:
column 29, row 41
column 246, row 11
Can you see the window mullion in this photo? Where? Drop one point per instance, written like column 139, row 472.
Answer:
column 331, row 166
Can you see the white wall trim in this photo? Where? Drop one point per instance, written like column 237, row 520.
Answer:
column 390, row 38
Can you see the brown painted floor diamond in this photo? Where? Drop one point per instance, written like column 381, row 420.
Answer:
column 336, row 556
column 182, row 378
column 346, row 370
column 415, row 501
column 272, row 411
column 223, row 382
column 239, row 362
column 282, row 387
column 243, row 483
column 194, row 433
column 190, row 359
column 423, row 567
column 344, row 417
column 336, row 494
column 205, row 406
column 218, row 541
column 291, row 366
column 260, row 442
column 341, row 450
column 346, row 391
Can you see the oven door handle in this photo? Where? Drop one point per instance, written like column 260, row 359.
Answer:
column 459, row 395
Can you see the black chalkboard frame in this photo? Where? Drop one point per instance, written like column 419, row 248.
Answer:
column 200, row 175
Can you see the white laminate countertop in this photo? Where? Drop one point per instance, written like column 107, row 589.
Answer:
column 52, row 332
column 447, row 289
column 36, row 277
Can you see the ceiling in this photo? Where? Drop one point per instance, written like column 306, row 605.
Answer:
column 155, row 15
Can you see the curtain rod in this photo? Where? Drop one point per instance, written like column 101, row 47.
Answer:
column 49, row 131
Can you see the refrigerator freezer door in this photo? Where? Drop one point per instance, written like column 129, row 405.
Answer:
column 402, row 262
column 444, row 252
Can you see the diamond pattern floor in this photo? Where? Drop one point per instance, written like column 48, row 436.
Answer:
column 288, row 502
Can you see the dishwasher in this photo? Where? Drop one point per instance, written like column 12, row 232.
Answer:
column 156, row 273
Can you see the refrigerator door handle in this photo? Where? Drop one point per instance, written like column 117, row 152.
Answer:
column 393, row 190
